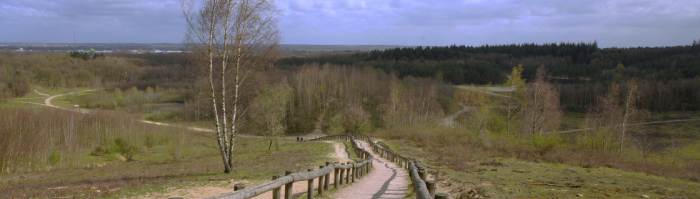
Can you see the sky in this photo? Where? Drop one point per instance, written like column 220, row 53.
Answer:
column 612, row 23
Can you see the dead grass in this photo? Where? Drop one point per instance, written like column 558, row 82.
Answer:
column 152, row 168
column 466, row 153
column 164, row 155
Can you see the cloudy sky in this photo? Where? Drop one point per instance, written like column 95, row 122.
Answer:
column 621, row 23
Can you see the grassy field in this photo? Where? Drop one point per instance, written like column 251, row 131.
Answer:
column 164, row 157
column 512, row 178
column 154, row 169
column 34, row 97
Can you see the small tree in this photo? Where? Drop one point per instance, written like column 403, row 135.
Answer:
column 355, row 117
column 268, row 111
column 335, row 125
column 542, row 112
column 604, row 119
column 630, row 106
column 515, row 100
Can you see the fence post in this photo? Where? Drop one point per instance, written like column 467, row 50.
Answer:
column 354, row 173
column 238, row 186
column 335, row 175
column 320, row 182
column 347, row 174
column 421, row 173
column 442, row 196
column 342, row 172
column 328, row 178
column 431, row 188
column 276, row 191
column 360, row 172
column 288, row 187
column 310, row 190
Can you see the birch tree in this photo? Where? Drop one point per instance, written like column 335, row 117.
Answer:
column 630, row 107
column 229, row 40
column 542, row 112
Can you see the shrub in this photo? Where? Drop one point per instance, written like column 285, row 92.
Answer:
column 547, row 143
column 54, row 158
column 124, row 148
column 98, row 151
column 117, row 146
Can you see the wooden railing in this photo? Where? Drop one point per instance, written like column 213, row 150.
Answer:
column 423, row 189
column 343, row 172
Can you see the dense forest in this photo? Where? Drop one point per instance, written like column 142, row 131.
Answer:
column 580, row 70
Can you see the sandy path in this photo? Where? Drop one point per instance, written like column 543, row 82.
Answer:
column 386, row 180
column 482, row 90
column 42, row 94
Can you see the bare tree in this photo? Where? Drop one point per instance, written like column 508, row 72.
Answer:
column 542, row 112
column 630, row 107
column 355, row 117
column 230, row 38
column 604, row 119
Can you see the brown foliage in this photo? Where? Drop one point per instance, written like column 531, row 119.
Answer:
column 459, row 150
column 542, row 112
column 30, row 135
column 355, row 117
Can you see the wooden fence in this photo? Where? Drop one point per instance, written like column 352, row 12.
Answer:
column 344, row 174
column 423, row 189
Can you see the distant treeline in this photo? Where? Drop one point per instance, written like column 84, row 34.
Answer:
column 579, row 67
column 18, row 71
column 566, row 60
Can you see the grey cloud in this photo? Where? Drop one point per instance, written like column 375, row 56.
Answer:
column 404, row 22
column 100, row 21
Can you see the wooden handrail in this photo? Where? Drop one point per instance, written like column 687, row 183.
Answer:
column 295, row 177
column 420, row 187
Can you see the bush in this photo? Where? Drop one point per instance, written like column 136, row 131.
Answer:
column 117, row 146
column 54, row 158
column 547, row 143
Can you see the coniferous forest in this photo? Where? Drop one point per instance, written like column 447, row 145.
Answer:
column 581, row 71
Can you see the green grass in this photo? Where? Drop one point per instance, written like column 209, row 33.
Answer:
column 351, row 152
column 34, row 97
column 67, row 101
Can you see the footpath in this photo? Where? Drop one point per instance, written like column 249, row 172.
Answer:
column 386, row 180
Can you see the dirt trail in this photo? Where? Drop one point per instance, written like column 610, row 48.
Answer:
column 488, row 90
column 386, row 180
column 42, row 94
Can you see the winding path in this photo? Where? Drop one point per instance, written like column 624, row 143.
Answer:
column 386, row 180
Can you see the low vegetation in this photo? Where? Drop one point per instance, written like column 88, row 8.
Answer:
column 110, row 154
